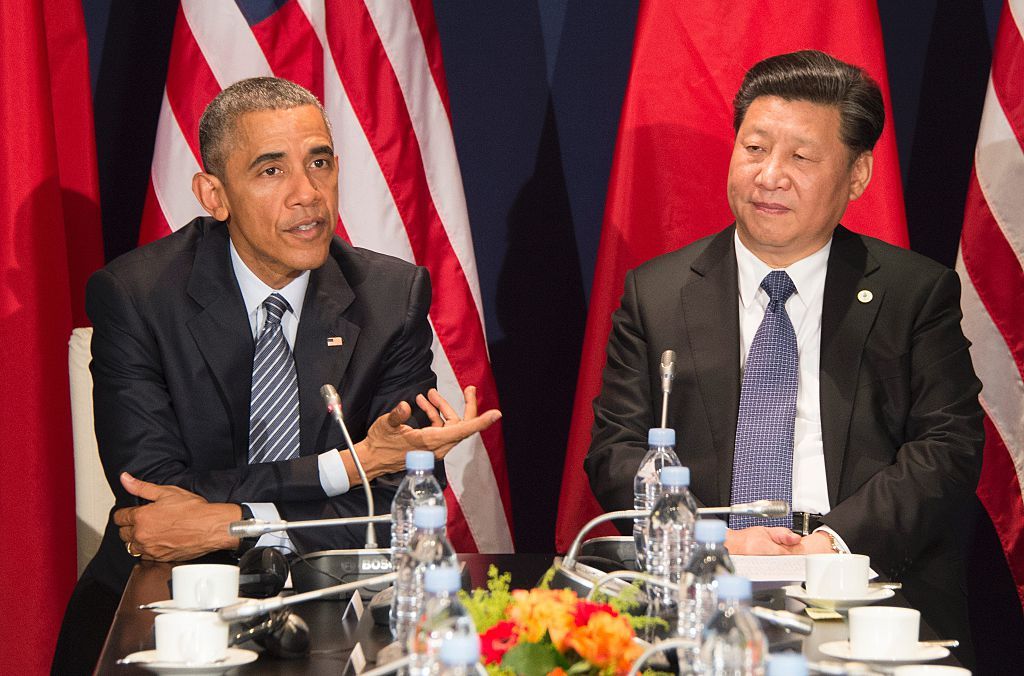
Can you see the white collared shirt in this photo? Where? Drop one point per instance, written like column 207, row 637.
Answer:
column 333, row 477
column 810, row 484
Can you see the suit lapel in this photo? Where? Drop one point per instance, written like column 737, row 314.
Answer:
column 711, row 320
column 320, row 357
column 846, row 318
column 221, row 330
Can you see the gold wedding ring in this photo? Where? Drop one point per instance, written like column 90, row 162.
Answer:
column 128, row 546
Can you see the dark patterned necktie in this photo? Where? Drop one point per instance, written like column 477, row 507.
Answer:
column 762, row 466
column 274, row 407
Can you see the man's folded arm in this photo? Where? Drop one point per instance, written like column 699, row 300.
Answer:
column 896, row 513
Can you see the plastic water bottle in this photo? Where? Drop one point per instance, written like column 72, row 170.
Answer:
column 661, row 452
column 443, row 617
column 429, row 548
column 460, row 656
column 419, row 487
column 670, row 534
column 733, row 644
column 787, row 664
column 698, row 601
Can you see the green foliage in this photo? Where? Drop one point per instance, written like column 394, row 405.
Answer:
column 487, row 606
column 534, row 659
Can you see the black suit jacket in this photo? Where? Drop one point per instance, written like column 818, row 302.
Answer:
column 901, row 424
column 172, row 365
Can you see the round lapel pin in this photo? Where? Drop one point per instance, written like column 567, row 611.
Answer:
column 865, row 296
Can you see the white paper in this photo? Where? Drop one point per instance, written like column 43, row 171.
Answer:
column 355, row 606
column 788, row 568
column 771, row 568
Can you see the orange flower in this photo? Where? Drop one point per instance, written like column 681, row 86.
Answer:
column 539, row 610
column 606, row 642
column 557, row 671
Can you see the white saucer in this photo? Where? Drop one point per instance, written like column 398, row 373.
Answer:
column 171, row 606
column 797, row 592
column 922, row 653
column 147, row 659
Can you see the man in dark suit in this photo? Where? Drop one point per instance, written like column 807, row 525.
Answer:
column 884, row 432
column 189, row 436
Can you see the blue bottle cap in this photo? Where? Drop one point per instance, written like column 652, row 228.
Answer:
column 442, row 579
column 733, row 587
column 419, row 460
column 460, row 649
column 429, row 516
column 674, row 476
column 709, row 530
column 661, row 436
column 787, row 664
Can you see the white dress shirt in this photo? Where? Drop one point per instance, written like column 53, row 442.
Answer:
column 810, row 488
column 333, row 477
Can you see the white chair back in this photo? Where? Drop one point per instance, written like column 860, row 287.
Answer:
column 93, row 498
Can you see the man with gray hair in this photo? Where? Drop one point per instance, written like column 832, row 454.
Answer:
column 210, row 347
column 814, row 365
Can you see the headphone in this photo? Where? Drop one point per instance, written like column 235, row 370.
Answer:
column 262, row 572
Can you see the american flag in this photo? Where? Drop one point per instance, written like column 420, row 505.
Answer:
column 990, row 265
column 376, row 65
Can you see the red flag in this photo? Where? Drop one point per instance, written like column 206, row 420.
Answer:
column 376, row 66
column 667, row 185
column 50, row 241
column 989, row 263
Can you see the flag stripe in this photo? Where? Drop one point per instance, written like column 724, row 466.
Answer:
column 424, row 11
column 1000, row 492
column 226, row 40
column 190, row 82
column 999, row 164
column 398, row 30
column 292, row 48
column 982, row 246
column 1008, row 72
column 1003, row 394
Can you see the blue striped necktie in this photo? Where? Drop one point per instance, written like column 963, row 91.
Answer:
column 763, row 459
column 274, row 407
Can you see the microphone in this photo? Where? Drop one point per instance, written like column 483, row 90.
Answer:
column 247, row 609
column 668, row 374
column 333, row 401
column 251, row 528
column 770, row 508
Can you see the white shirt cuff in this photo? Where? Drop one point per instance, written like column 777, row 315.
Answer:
column 839, row 540
column 267, row 511
column 333, row 477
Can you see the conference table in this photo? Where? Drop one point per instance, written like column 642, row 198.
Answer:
column 335, row 633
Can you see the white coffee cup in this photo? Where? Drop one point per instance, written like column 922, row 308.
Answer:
column 192, row 637
column 884, row 632
column 837, row 576
column 204, row 585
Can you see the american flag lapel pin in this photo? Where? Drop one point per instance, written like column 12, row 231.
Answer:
column 335, row 341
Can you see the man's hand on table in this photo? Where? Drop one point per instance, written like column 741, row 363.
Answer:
column 389, row 438
column 816, row 543
column 176, row 525
column 759, row 540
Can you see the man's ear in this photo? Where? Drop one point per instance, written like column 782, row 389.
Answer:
column 210, row 192
column 860, row 174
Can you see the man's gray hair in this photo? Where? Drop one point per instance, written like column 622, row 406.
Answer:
column 255, row 94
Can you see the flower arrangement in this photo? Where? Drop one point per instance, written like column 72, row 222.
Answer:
column 545, row 631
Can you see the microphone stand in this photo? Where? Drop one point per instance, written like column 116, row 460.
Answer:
column 247, row 609
column 333, row 401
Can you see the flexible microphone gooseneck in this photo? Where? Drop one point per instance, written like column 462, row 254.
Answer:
column 668, row 374
column 250, row 528
column 247, row 609
column 333, row 401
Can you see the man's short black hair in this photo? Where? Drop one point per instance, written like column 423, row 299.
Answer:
column 814, row 76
